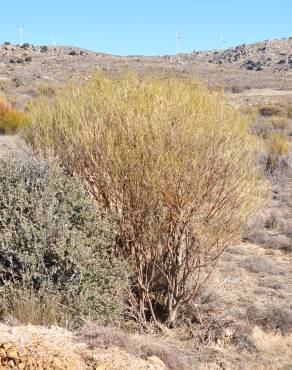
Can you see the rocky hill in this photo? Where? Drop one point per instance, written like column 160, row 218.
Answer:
column 269, row 55
column 266, row 64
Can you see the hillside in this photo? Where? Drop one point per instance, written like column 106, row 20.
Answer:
column 263, row 65
column 273, row 56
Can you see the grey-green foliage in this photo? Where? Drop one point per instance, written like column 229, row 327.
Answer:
column 54, row 247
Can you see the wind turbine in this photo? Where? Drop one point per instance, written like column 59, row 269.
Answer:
column 222, row 42
column 53, row 40
column 177, row 37
column 20, row 29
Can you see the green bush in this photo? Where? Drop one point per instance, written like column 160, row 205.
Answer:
column 55, row 260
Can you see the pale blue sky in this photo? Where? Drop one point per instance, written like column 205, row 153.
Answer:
column 144, row 27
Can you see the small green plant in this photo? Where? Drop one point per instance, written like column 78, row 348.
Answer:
column 56, row 265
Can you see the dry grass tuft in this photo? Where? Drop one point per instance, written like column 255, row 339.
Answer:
column 106, row 337
column 279, row 123
column 257, row 264
column 276, row 146
column 276, row 318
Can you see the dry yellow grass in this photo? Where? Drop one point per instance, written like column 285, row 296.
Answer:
column 276, row 146
column 279, row 123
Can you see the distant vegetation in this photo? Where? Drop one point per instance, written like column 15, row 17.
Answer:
column 275, row 109
column 172, row 163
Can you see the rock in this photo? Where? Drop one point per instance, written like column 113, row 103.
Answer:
column 12, row 353
column 26, row 45
column 9, row 47
column 8, row 345
column 154, row 360
column 102, row 367
column 57, row 363
column 44, row 49
column 2, row 352
column 249, row 65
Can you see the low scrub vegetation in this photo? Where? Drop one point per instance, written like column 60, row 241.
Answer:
column 143, row 347
column 273, row 109
column 279, row 123
column 172, row 162
column 11, row 119
column 277, row 147
column 55, row 262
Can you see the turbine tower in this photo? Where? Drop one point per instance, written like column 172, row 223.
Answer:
column 53, row 40
column 20, row 29
column 222, row 42
column 177, row 37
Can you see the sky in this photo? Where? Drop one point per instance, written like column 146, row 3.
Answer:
column 140, row 27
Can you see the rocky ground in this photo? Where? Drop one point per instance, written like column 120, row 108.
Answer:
column 270, row 55
column 35, row 347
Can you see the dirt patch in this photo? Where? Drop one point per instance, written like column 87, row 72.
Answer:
column 12, row 145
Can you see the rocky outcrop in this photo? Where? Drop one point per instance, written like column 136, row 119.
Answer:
column 269, row 55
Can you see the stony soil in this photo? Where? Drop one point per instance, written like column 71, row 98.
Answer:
column 35, row 347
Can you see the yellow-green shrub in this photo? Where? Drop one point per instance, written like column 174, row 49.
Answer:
column 11, row 119
column 172, row 162
column 276, row 147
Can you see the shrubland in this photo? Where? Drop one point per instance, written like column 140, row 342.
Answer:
column 173, row 164
column 56, row 265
